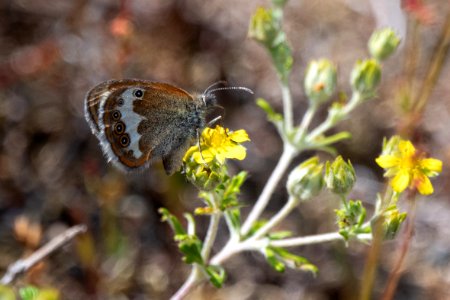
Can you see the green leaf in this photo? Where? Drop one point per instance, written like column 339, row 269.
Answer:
column 172, row 220
column 234, row 215
column 216, row 274
column 232, row 188
column 279, row 235
column 282, row 59
column 272, row 259
column 191, row 247
column 329, row 140
column 272, row 115
column 294, row 261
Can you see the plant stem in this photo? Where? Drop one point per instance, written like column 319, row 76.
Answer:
column 316, row 239
column 285, row 159
column 333, row 120
column 435, row 67
column 287, row 107
column 193, row 280
column 307, row 118
column 211, row 235
column 275, row 220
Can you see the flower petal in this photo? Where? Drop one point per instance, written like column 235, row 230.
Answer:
column 401, row 181
column 423, row 184
column 387, row 161
column 236, row 152
column 239, row 136
column 406, row 148
column 431, row 164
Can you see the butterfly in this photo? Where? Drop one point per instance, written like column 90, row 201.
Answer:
column 139, row 121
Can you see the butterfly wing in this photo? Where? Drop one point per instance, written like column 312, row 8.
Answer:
column 137, row 121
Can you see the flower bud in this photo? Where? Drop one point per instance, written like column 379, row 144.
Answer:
column 392, row 222
column 390, row 147
column 263, row 26
column 340, row 176
column 365, row 77
column 383, row 43
column 306, row 180
column 320, row 81
column 203, row 176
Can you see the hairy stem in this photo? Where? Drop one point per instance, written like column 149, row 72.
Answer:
column 287, row 107
column 285, row 159
column 276, row 219
column 194, row 279
column 316, row 239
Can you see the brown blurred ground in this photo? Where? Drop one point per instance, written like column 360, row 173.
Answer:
column 53, row 172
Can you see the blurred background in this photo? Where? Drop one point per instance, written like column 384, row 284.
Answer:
column 53, row 174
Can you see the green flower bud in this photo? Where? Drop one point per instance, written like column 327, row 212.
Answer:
column 383, row 43
column 263, row 27
column 340, row 176
column 306, row 180
column 204, row 176
column 365, row 77
column 390, row 147
column 392, row 222
column 320, row 81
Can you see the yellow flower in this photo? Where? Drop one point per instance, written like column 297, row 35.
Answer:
column 218, row 144
column 408, row 167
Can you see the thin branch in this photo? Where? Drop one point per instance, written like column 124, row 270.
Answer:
column 272, row 183
column 276, row 219
column 435, row 67
column 23, row 265
column 211, row 235
column 193, row 280
column 316, row 239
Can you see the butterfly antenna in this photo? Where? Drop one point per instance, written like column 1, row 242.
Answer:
column 228, row 88
column 208, row 89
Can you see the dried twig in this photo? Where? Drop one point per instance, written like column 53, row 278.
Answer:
column 22, row 265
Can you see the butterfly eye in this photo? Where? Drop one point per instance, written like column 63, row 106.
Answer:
column 124, row 140
column 116, row 115
column 120, row 102
column 119, row 128
column 138, row 93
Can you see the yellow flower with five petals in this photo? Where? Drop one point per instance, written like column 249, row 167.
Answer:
column 408, row 167
column 219, row 144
